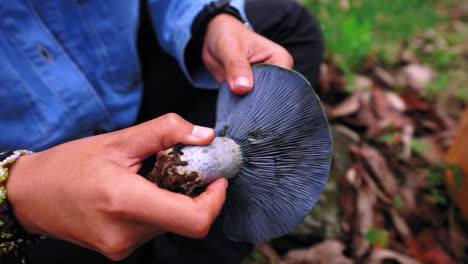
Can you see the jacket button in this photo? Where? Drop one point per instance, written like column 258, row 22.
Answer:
column 44, row 53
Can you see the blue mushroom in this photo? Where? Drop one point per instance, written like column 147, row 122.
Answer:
column 273, row 144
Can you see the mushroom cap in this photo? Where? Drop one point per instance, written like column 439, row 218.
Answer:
column 286, row 149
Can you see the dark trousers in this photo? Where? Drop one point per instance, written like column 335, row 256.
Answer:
column 166, row 90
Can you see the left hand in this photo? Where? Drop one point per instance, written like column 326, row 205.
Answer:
column 88, row 192
column 230, row 48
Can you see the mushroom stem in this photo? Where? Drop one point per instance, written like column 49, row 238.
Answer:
column 185, row 168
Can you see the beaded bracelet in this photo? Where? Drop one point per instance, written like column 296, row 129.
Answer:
column 12, row 233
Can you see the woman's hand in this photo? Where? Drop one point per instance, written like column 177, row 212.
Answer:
column 230, row 48
column 87, row 191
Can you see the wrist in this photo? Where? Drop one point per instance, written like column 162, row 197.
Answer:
column 222, row 21
column 199, row 29
column 209, row 12
column 17, row 187
column 12, row 232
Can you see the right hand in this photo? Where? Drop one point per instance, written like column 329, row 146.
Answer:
column 87, row 191
column 229, row 48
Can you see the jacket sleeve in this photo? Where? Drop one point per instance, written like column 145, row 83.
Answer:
column 173, row 21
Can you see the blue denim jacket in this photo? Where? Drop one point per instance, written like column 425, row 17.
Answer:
column 69, row 67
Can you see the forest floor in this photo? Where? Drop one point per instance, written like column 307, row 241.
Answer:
column 394, row 85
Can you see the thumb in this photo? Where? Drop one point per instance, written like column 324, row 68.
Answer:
column 238, row 70
column 158, row 134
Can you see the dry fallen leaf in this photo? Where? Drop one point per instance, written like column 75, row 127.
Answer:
column 385, row 77
column 349, row 106
column 414, row 102
column 347, row 197
column 378, row 168
column 330, row 251
column 361, row 84
column 400, row 224
column 365, row 203
column 432, row 152
column 418, row 76
column 267, row 250
column 380, row 255
column 397, row 135
column 436, row 256
column 371, row 185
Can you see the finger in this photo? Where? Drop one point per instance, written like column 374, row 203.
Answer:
column 172, row 211
column 163, row 132
column 281, row 57
column 237, row 67
column 271, row 53
column 214, row 66
column 214, row 196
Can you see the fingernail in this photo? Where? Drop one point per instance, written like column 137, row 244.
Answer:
column 242, row 82
column 202, row 132
column 227, row 183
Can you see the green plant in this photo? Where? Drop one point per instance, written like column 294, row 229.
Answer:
column 441, row 82
column 387, row 137
column 436, row 190
column 397, row 201
column 255, row 258
column 419, row 145
column 355, row 30
column 377, row 236
column 462, row 94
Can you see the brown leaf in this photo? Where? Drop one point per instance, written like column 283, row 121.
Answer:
column 458, row 241
column 348, row 198
column 425, row 248
column 371, row 185
column 349, row 106
column 330, row 251
column 400, row 224
column 347, row 132
column 414, row 102
column 426, row 239
column 407, row 133
column 362, row 83
column 367, row 117
column 408, row 56
column 380, row 255
column 430, row 124
column 385, row 77
column 379, row 169
column 331, row 80
column 388, row 106
column 395, row 101
column 458, row 154
column 418, row 76
column 324, row 79
column 433, row 152
column 266, row 250
column 437, row 256
column 365, row 204
column 409, row 200
column 360, row 246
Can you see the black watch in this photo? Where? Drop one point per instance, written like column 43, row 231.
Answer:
column 209, row 12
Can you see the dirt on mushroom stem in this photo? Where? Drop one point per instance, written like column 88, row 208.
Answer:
column 166, row 175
